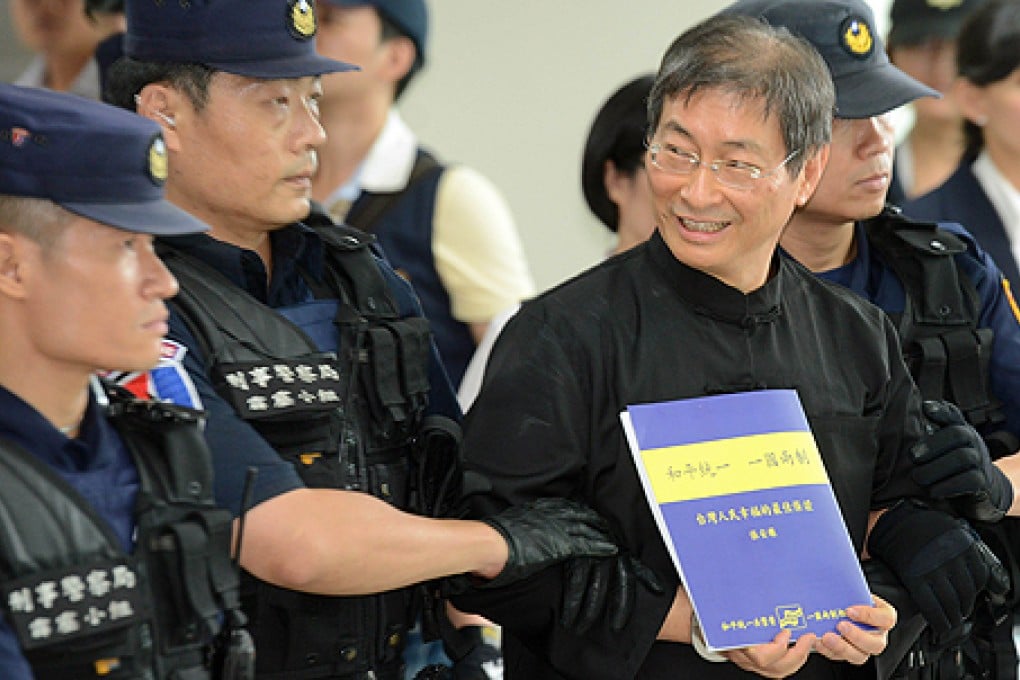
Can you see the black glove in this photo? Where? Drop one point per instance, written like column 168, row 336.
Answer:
column 952, row 463
column 940, row 560
column 483, row 661
column 439, row 471
column 606, row 585
column 546, row 531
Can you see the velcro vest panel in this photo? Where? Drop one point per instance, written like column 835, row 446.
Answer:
column 362, row 441
column 81, row 607
column 947, row 354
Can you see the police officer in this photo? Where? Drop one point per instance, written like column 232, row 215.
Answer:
column 114, row 562
column 952, row 306
column 308, row 352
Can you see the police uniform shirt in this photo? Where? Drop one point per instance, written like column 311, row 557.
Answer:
column 643, row 327
column 236, row 446
column 96, row 464
column 870, row 276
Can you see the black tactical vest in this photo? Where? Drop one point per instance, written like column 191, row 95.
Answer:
column 80, row 606
column 948, row 356
column 345, row 420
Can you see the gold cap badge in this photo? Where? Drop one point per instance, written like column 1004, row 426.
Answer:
column 856, row 37
column 158, row 165
column 945, row 5
column 302, row 19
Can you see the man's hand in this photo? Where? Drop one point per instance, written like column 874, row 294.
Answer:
column 855, row 644
column 952, row 463
column 598, row 588
column 545, row 532
column 940, row 560
column 777, row 659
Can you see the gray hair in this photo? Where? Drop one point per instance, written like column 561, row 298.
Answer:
column 754, row 61
column 39, row 219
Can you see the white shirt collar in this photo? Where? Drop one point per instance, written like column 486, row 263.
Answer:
column 388, row 165
column 1004, row 198
column 85, row 85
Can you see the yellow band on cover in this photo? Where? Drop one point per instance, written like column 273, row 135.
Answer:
column 737, row 465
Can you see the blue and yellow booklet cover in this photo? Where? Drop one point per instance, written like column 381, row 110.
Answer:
column 743, row 501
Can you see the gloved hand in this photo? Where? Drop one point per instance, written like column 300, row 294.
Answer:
column 940, row 560
column 952, row 463
column 484, row 661
column 597, row 587
column 439, row 470
column 546, row 531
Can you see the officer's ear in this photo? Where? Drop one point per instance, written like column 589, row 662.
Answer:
column 10, row 257
column 160, row 102
column 400, row 56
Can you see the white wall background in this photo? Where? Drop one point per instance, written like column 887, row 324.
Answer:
column 511, row 88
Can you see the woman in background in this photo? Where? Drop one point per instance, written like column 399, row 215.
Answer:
column 984, row 193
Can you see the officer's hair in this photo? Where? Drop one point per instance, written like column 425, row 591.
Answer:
column 39, row 219
column 748, row 58
column 128, row 76
column 94, row 7
column 987, row 51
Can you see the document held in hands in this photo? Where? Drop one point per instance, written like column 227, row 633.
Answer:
column 744, row 505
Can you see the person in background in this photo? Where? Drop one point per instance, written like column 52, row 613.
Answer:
column 325, row 397
column 114, row 561
column 615, row 187
column 983, row 194
column 64, row 42
column 445, row 228
column 922, row 44
column 969, row 355
column 108, row 16
column 613, row 178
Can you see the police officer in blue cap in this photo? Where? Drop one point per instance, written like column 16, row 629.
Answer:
column 309, row 354
column 114, row 561
column 960, row 337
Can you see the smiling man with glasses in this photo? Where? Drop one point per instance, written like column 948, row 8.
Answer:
column 706, row 306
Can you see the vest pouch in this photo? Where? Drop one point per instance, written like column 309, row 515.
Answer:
column 189, row 616
column 293, row 404
column 81, row 621
column 395, row 379
column 389, row 476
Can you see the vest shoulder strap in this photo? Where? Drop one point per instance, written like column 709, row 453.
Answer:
column 947, row 353
column 43, row 517
column 367, row 212
column 215, row 311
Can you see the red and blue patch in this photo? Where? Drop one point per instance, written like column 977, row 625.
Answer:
column 167, row 382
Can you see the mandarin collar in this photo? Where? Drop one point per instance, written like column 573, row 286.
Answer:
column 711, row 297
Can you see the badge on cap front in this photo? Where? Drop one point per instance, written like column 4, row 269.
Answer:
column 301, row 19
column 856, row 37
column 158, row 166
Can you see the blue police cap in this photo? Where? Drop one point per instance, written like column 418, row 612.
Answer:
column 843, row 32
column 254, row 38
column 92, row 159
column 410, row 16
